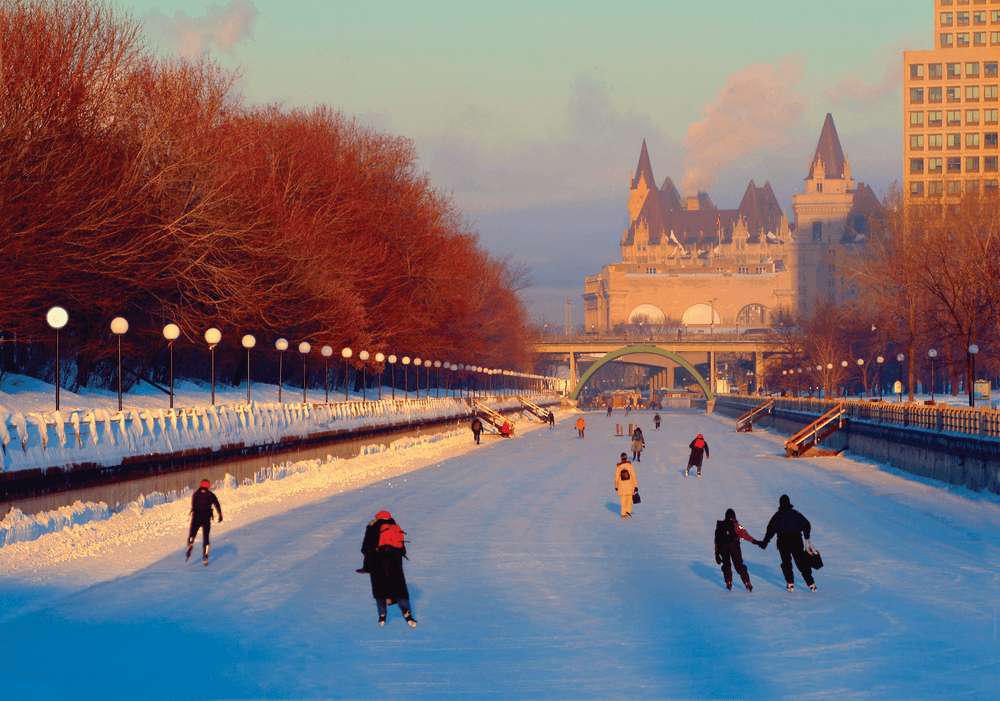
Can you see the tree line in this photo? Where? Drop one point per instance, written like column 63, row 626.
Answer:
column 144, row 187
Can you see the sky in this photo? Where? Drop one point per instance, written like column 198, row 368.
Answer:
column 532, row 114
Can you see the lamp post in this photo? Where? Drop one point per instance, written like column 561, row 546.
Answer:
column 829, row 377
column 428, row 364
column 57, row 318
column 861, row 365
column 282, row 345
column 437, row 381
column 417, row 362
column 899, row 363
column 304, row 349
column 346, row 354
column 171, row 332
column 119, row 327
column 880, row 360
column 392, row 369
column 932, row 353
column 380, row 358
column 326, row 352
column 363, row 357
column 712, row 302
column 973, row 349
column 406, row 377
column 798, row 383
column 248, row 342
column 843, row 364
column 212, row 337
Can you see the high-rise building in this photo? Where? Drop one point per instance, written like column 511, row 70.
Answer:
column 950, row 95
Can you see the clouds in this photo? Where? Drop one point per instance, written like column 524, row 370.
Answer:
column 755, row 110
column 854, row 91
column 221, row 28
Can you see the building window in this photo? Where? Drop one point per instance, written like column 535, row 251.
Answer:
column 917, row 142
column 991, row 186
column 916, row 70
column 972, row 164
column 963, row 19
column 933, row 118
column 971, row 93
column 954, row 117
column 990, row 68
column 947, row 19
column 972, row 140
column 954, row 141
column 990, row 92
column 934, row 187
column 990, row 139
column 972, row 116
column 995, row 37
column 979, row 38
column 972, row 69
column 962, row 39
column 995, row 16
column 934, row 165
column 954, row 164
column 972, row 187
column 916, row 119
column 934, row 141
column 934, row 94
column 979, row 17
column 934, row 70
column 990, row 163
column 917, row 189
column 946, row 40
column 954, row 94
column 954, row 70
column 954, row 187
column 817, row 231
column 916, row 94
column 990, row 116
column 916, row 165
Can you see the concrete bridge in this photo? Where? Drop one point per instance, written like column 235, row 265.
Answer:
column 667, row 352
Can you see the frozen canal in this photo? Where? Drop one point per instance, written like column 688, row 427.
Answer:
column 525, row 581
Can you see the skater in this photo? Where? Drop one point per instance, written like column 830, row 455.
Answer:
column 384, row 550
column 790, row 526
column 580, row 425
column 699, row 447
column 628, row 408
column 609, row 408
column 625, row 484
column 656, row 420
column 477, row 428
column 727, row 547
column 638, row 443
column 552, row 418
column 202, row 502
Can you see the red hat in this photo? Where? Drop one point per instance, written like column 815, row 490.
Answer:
column 383, row 515
column 700, row 436
column 205, row 483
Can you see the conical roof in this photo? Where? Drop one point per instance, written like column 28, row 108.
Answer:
column 829, row 151
column 644, row 169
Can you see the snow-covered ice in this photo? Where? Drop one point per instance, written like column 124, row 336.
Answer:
column 526, row 582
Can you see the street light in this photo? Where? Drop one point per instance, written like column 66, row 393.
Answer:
column 829, row 376
column 248, row 342
column 864, row 388
column 932, row 353
column 392, row 368
column 363, row 356
column 417, row 362
column 880, row 360
column 346, row 353
column 212, row 337
column 304, row 349
column 380, row 358
column 712, row 302
column 282, row 345
column 57, row 318
column 437, row 382
column 118, row 327
column 843, row 364
column 899, row 363
column 326, row 352
column 171, row 332
column 406, row 377
column 428, row 364
column 973, row 349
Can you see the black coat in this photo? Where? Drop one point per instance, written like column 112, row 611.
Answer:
column 384, row 565
column 477, row 425
column 697, row 452
column 790, row 526
column 202, row 502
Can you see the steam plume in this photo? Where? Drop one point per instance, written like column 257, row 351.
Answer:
column 221, row 27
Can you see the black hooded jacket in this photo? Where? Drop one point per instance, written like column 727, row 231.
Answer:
column 790, row 526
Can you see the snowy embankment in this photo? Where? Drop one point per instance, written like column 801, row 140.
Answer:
column 38, row 440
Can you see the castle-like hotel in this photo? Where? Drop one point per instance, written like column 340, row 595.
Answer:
column 686, row 262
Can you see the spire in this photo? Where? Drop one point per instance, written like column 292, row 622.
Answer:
column 828, row 151
column 644, row 170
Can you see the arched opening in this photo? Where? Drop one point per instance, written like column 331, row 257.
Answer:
column 701, row 315
column 648, row 314
column 752, row 315
column 633, row 350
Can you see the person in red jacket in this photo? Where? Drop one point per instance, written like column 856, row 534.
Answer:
column 727, row 549
column 384, row 550
column 202, row 502
column 699, row 448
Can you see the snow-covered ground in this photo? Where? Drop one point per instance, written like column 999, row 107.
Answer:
column 524, row 579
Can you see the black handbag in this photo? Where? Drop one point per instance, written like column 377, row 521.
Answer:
column 636, row 499
column 814, row 559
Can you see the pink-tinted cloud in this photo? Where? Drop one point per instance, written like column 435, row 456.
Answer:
column 854, row 90
column 755, row 110
column 221, row 28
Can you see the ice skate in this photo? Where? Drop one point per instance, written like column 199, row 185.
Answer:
column 749, row 587
column 729, row 586
column 187, row 556
column 381, row 620
column 204, row 557
column 687, row 472
column 411, row 620
column 790, row 586
column 812, row 588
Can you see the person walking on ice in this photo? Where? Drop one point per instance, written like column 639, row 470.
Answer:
column 552, row 418
column 790, row 526
column 727, row 549
column 477, row 428
column 638, row 443
column 384, row 550
column 625, row 484
column 202, row 502
column 609, row 408
column 699, row 449
column 580, row 425
column 656, row 420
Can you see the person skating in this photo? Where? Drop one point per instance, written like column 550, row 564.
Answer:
column 699, row 449
column 625, row 484
column 384, row 550
column 609, row 408
column 656, row 420
column 552, row 418
column 477, row 428
column 638, row 443
column 202, row 502
column 727, row 549
column 580, row 425
column 790, row 527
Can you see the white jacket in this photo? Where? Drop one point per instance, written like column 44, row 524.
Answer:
column 628, row 486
